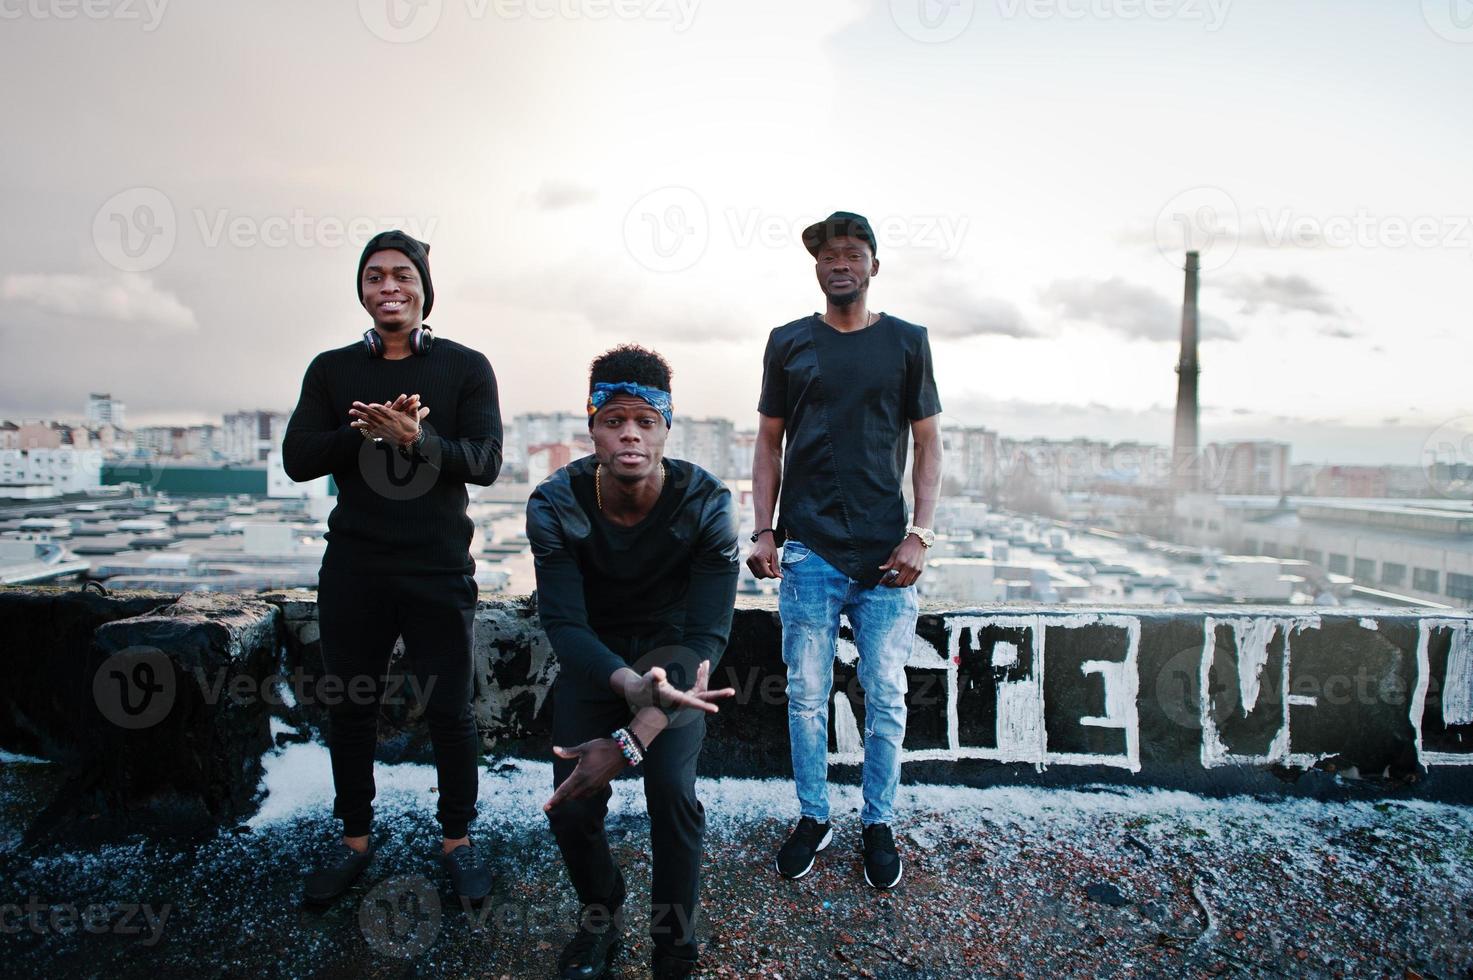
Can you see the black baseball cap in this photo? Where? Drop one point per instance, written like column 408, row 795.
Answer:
column 838, row 225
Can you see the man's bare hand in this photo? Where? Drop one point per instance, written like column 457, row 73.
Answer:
column 654, row 689
column 397, row 421
column 763, row 560
column 599, row 761
column 906, row 563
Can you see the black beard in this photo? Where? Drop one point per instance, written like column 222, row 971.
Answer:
column 844, row 299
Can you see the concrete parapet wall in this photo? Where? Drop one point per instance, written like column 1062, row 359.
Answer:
column 156, row 697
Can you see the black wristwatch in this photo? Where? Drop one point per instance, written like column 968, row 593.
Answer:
column 765, row 530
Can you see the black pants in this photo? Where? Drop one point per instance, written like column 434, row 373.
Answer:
column 677, row 819
column 361, row 616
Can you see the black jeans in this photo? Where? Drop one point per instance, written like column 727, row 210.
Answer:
column 677, row 819
column 360, row 617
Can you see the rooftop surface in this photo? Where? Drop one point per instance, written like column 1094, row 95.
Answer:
column 1012, row 882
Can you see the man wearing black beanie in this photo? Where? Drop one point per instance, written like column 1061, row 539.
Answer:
column 398, row 559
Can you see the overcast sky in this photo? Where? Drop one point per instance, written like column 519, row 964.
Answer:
column 187, row 189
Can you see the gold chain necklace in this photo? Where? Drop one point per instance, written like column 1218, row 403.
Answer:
column 598, row 483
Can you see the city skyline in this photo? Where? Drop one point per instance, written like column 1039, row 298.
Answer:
column 1035, row 175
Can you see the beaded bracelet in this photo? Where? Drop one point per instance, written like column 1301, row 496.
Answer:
column 629, row 745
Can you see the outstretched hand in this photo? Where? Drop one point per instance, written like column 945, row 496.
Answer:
column 653, row 689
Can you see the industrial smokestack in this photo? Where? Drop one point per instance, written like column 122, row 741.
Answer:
column 1185, row 460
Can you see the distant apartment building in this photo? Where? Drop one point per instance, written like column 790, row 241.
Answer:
column 970, row 455
column 102, row 407
column 1419, row 549
column 1351, row 481
column 546, row 459
column 278, row 484
column 68, row 469
column 249, row 436
column 705, row 442
column 51, row 434
column 740, row 455
column 1066, row 466
column 198, row 442
column 1257, row 467
column 543, row 429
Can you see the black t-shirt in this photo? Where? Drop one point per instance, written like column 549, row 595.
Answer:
column 847, row 401
column 637, row 581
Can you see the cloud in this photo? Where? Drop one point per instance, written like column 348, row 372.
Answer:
column 1289, row 293
column 555, row 195
column 123, row 298
column 613, row 306
column 1126, row 309
column 950, row 306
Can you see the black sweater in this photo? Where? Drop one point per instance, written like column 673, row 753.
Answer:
column 397, row 516
column 671, row 578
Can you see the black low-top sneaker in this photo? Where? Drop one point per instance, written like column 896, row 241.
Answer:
column 336, row 875
column 469, row 877
column 669, row 964
column 591, row 951
column 795, row 857
column 882, row 865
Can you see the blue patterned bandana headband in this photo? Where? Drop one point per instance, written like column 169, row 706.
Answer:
column 658, row 398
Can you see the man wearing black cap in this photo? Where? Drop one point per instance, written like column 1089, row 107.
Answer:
column 844, row 387
column 398, row 559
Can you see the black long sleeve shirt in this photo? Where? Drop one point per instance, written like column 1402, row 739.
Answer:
column 397, row 515
column 671, row 578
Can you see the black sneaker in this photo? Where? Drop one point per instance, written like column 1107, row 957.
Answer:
column 590, row 952
column 882, row 865
column 795, row 857
column 337, row 875
column 469, row 877
column 667, row 964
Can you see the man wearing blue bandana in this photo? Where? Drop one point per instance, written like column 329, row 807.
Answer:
column 636, row 560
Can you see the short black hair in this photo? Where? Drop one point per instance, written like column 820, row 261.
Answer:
column 630, row 362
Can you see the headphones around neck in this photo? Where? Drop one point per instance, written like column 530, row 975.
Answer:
column 421, row 339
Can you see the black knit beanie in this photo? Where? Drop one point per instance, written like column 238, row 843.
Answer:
column 418, row 252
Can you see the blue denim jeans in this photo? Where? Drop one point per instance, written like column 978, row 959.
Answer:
column 812, row 596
